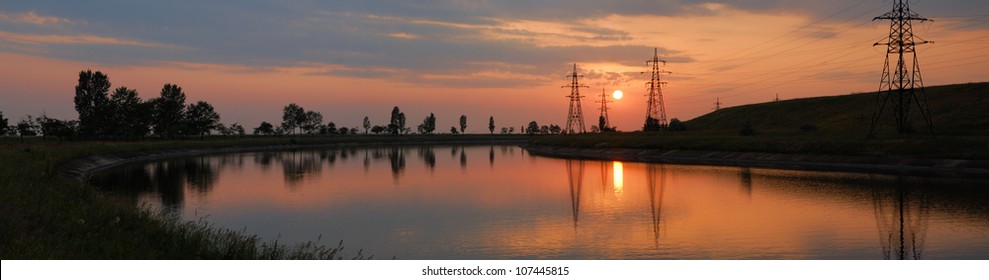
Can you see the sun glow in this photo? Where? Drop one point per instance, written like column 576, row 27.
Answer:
column 617, row 94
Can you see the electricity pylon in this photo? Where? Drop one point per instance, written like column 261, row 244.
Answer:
column 655, row 109
column 575, row 118
column 605, row 124
column 901, row 84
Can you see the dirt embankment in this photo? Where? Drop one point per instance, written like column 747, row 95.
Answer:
column 870, row 164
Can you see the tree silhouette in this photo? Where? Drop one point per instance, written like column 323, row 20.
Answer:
column 130, row 116
column 378, row 129
column 93, row 103
column 652, row 124
column 428, row 125
column 491, row 125
column 677, row 125
column 168, row 111
column 533, row 128
column 311, row 122
column 397, row 123
column 3, row 124
column 237, row 129
column 27, row 127
column 292, row 116
column 264, row 128
column 453, row 130
column 200, row 119
column 463, row 123
column 367, row 124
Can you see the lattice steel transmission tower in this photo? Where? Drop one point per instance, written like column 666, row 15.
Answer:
column 901, row 84
column 575, row 118
column 603, row 123
column 655, row 109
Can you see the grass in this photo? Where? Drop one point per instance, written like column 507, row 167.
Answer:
column 835, row 125
column 45, row 216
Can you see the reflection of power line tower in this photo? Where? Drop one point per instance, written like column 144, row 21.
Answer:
column 603, row 122
column 902, row 222
column 655, row 109
column 901, row 86
column 656, row 196
column 575, row 118
column 575, row 175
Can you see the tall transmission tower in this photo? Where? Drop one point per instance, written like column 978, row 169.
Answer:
column 717, row 104
column 901, row 84
column 603, row 122
column 655, row 109
column 575, row 118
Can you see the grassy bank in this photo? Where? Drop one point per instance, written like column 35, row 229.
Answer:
column 45, row 216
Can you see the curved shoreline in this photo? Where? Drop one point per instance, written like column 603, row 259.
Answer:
column 897, row 165
column 81, row 169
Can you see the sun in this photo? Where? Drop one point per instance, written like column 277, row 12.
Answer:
column 617, row 94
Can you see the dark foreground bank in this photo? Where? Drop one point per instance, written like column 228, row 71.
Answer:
column 45, row 215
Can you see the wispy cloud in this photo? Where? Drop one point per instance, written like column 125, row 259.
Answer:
column 33, row 18
column 75, row 39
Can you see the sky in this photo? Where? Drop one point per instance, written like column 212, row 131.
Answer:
column 506, row 59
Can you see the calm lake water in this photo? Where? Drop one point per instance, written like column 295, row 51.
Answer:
column 499, row 202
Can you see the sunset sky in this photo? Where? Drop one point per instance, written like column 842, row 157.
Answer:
column 507, row 59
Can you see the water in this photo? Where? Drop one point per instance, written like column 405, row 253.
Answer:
column 498, row 202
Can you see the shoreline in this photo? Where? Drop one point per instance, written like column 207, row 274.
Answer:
column 80, row 169
column 895, row 165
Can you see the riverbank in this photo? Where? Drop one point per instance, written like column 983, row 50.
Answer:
column 901, row 165
column 45, row 215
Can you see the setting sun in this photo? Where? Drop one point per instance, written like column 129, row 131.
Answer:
column 617, row 94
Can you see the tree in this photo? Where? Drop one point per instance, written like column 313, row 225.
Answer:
column 27, row 127
column 491, row 125
column 200, row 118
column 55, row 127
column 264, row 128
column 130, row 116
column 367, row 124
column 397, row 123
column 292, row 116
column 311, row 122
column 378, row 129
column 453, row 130
column 555, row 129
column 3, row 124
column 652, row 124
column 344, row 130
column 93, row 102
column 463, row 123
column 533, row 128
column 168, row 111
column 237, row 129
column 330, row 128
column 677, row 125
column 428, row 125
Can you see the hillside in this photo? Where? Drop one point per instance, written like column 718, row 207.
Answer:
column 961, row 109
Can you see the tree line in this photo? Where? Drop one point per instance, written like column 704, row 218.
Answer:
column 123, row 114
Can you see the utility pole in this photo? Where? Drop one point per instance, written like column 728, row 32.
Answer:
column 605, row 124
column 777, row 98
column 575, row 118
column 655, row 109
column 901, row 84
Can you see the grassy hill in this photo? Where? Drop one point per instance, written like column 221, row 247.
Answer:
column 961, row 109
column 832, row 125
